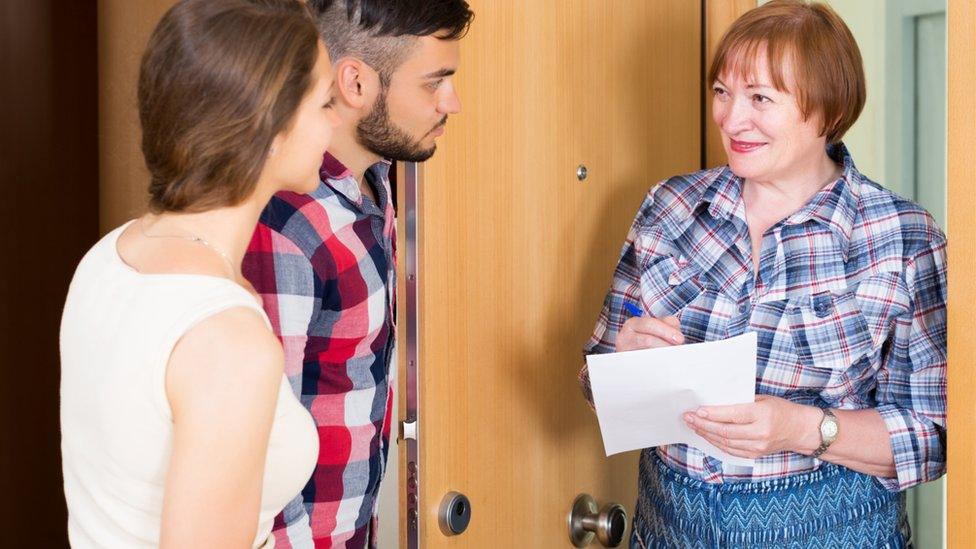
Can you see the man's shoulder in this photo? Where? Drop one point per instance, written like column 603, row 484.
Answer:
column 307, row 220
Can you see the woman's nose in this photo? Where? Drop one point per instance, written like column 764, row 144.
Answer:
column 734, row 117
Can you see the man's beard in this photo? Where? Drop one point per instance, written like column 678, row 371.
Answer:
column 381, row 136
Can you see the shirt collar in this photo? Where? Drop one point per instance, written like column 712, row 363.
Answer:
column 724, row 196
column 835, row 206
column 338, row 177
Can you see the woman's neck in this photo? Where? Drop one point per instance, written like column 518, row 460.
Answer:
column 226, row 230
column 780, row 197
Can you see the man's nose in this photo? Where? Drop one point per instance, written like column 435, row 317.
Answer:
column 450, row 103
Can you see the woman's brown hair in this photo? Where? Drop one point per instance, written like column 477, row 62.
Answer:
column 813, row 42
column 218, row 81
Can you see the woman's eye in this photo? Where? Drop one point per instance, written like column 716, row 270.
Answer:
column 720, row 92
column 762, row 99
column 434, row 84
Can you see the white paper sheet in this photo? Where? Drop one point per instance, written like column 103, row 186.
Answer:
column 640, row 396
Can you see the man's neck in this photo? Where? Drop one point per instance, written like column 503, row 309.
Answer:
column 356, row 158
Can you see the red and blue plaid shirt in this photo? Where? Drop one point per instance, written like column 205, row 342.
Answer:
column 324, row 264
column 849, row 305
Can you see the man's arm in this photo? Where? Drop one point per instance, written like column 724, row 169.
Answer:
column 282, row 275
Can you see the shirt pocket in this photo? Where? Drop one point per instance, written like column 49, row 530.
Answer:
column 669, row 285
column 829, row 331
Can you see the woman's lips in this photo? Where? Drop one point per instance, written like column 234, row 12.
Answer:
column 745, row 146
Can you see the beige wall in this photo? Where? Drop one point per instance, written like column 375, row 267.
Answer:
column 866, row 139
column 123, row 30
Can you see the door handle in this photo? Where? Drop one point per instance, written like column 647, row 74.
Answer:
column 608, row 525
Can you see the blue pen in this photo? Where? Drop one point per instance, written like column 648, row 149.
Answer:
column 634, row 310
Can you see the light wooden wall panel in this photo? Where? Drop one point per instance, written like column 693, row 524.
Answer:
column 962, row 272
column 123, row 30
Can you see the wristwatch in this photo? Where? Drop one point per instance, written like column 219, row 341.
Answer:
column 828, row 431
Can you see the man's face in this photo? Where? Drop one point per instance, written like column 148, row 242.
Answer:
column 409, row 115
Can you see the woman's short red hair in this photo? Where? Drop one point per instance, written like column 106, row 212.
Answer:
column 811, row 42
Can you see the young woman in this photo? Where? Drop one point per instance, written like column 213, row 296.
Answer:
column 178, row 428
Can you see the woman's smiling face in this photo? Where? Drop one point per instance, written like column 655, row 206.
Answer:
column 763, row 129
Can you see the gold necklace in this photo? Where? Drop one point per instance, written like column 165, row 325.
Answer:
column 192, row 238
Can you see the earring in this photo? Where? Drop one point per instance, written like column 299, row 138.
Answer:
column 272, row 150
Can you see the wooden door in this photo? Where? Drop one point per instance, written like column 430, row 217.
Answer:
column 515, row 254
column 962, row 272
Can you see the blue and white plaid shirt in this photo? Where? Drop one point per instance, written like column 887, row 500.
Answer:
column 849, row 305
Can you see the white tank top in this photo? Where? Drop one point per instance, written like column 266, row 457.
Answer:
column 118, row 330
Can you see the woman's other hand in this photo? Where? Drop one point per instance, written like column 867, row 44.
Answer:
column 648, row 333
column 767, row 426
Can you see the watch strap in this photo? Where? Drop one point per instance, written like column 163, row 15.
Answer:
column 824, row 443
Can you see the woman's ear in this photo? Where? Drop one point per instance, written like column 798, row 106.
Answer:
column 354, row 82
column 276, row 144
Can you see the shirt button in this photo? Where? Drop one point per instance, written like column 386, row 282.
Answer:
column 822, row 306
column 743, row 308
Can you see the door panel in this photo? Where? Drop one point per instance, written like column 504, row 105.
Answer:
column 515, row 254
column 962, row 273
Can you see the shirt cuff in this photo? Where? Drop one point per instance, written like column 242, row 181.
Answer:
column 916, row 446
column 583, row 377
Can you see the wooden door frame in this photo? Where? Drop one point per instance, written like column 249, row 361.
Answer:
column 962, row 270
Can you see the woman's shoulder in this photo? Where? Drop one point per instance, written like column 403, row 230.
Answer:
column 675, row 199
column 232, row 344
column 239, row 333
column 882, row 211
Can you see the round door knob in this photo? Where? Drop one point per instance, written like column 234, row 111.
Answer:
column 608, row 525
column 454, row 514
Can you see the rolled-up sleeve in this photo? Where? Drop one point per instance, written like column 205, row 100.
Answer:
column 911, row 391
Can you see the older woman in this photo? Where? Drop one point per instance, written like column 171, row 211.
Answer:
column 843, row 281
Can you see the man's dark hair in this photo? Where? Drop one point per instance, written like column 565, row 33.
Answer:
column 381, row 32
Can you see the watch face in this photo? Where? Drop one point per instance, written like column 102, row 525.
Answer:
column 829, row 429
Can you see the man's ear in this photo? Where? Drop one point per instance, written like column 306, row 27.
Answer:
column 355, row 82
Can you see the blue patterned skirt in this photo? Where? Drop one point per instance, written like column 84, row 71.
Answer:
column 831, row 507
